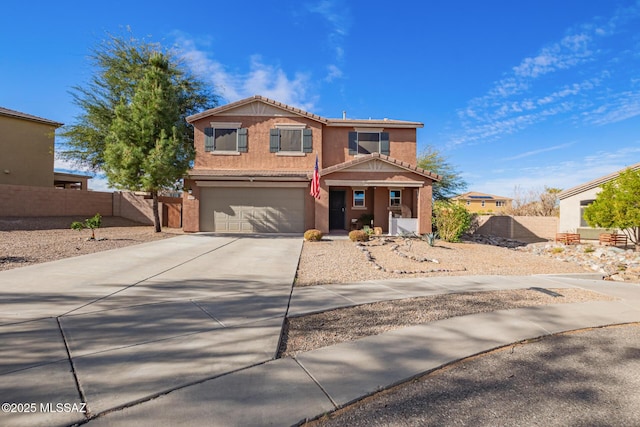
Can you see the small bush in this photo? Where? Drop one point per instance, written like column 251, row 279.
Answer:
column 451, row 220
column 358, row 236
column 313, row 235
column 589, row 249
column 557, row 250
column 430, row 238
column 90, row 223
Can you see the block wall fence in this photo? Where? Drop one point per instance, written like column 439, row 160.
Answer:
column 31, row 201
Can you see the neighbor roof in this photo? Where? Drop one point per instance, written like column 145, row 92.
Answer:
column 18, row 115
column 302, row 113
column 474, row 195
column 594, row 183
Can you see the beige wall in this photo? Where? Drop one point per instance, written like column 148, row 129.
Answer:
column 31, row 201
column 257, row 156
column 526, row 228
column 336, row 145
column 27, row 149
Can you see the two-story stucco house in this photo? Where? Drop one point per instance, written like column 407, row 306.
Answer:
column 476, row 202
column 255, row 159
column 27, row 152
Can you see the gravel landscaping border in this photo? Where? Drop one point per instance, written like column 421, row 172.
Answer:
column 306, row 333
column 28, row 241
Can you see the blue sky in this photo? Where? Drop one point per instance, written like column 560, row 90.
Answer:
column 527, row 94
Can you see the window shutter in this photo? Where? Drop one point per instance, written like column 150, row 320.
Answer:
column 209, row 139
column 274, row 140
column 384, row 143
column 242, row 140
column 307, row 141
column 353, row 143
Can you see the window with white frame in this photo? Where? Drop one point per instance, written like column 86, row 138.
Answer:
column 500, row 203
column 395, row 197
column 290, row 138
column 483, row 203
column 225, row 138
column 367, row 141
column 359, row 199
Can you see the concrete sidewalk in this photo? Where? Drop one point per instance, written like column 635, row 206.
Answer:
column 288, row 391
column 118, row 327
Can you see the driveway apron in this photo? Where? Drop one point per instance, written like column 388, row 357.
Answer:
column 119, row 327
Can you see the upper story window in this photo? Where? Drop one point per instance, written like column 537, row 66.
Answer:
column 395, row 197
column 500, row 203
column 225, row 138
column 288, row 138
column 368, row 142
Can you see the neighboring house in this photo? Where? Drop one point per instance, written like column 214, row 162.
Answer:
column 255, row 160
column 476, row 202
column 573, row 202
column 27, row 152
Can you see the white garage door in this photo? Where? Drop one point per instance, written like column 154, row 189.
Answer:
column 252, row 210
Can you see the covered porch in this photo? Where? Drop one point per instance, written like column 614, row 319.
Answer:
column 368, row 189
column 355, row 204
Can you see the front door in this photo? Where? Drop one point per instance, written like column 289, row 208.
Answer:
column 337, row 205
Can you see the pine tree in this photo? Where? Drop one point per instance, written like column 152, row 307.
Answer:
column 143, row 148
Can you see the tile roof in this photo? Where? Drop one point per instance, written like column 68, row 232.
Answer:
column 363, row 159
column 236, row 104
column 300, row 112
column 239, row 173
column 17, row 114
column 594, row 183
column 474, row 195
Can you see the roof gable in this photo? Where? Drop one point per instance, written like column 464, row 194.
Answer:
column 256, row 106
column 378, row 163
column 18, row 115
column 260, row 106
column 594, row 183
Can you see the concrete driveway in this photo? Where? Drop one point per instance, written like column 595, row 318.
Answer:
column 119, row 327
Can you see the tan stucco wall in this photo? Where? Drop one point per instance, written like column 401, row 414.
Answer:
column 27, row 150
column 36, row 201
column 257, row 156
column 336, row 145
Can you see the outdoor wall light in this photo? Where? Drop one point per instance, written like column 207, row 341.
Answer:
column 7, row 171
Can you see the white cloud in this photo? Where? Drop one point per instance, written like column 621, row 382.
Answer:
column 261, row 78
column 618, row 107
column 539, row 151
column 562, row 174
column 338, row 17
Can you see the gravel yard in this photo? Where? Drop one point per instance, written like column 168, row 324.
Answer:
column 340, row 261
column 307, row 333
column 26, row 241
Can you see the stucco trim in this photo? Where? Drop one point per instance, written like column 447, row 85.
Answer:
column 253, row 184
column 372, row 183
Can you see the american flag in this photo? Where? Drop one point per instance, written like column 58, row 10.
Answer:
column 315, row 181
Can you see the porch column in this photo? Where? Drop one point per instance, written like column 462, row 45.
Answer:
column 425, row 195
column 322, row 209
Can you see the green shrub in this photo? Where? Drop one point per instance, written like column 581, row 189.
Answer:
column 451, row 220
column 90, row 223
column 313, row 235
column 589, row 249
column 557, row 250
column 358, row 236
